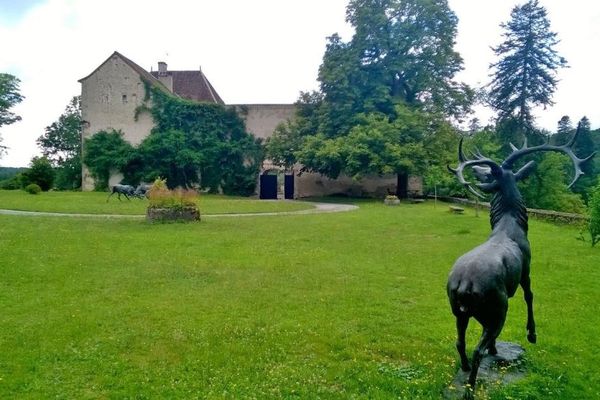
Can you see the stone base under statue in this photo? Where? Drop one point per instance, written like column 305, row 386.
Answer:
column 500, row 369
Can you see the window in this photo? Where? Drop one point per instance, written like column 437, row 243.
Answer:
column 124, row 98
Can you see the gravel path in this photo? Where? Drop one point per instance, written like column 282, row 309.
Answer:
column 318, row 209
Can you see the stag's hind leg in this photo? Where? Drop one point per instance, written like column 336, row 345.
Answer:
column 528, row 294
column 492, row 321
column 462, row 322
column 488, row 338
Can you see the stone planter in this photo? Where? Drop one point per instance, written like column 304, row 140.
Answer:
column 186, row 214
column 391, row 202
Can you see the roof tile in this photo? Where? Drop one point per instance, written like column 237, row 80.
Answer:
column 192, row 85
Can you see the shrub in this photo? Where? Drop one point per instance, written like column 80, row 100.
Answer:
column 33, row 188
column 13, row 183
column 594, row 210
column 106, row 152
column 161, row 197
column 40, row 172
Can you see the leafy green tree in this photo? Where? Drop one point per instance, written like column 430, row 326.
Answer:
column 402, row 51
column 61, row 144
column 282, row 146
column 9, row 97
column 486, row 142
column 594, row 213
column 400, row 58
column 546, row 188
column 289, row 136
column 104, row 153
column 405, row 52
column 40, row 172
column 12, row 183
column 168, row 155
column 525, row 74
column 412, row 143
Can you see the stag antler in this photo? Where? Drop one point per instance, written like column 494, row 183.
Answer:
column 478, row 160
column 566, row 149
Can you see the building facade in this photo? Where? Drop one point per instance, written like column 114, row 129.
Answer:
column 111, row 94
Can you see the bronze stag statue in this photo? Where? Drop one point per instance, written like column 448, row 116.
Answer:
column 482, row 280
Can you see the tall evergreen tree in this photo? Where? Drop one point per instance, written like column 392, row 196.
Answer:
column 564, row 129
column 565, row 125
column 525, row 74
column 584, row 146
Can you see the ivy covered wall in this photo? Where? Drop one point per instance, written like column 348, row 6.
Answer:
column 191, row 144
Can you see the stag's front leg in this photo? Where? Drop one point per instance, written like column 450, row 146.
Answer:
column 528, row 294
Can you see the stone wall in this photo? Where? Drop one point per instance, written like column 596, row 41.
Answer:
column 109, row 98
column 262, row 119
column 315, row 185
column 548, row 215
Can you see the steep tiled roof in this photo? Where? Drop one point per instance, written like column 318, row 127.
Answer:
column 143, row 73
column 192, row 85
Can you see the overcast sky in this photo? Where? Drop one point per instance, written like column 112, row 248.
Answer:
column 258, row 51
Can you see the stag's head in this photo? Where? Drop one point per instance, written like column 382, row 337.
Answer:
column 494, row 177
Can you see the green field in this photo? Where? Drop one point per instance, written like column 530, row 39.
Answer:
column 347, row 305
column 100, row 203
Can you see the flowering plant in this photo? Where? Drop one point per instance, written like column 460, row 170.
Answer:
column 161, row 197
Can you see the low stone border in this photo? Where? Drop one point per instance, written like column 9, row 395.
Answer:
column 187, row 214
column 548, row 215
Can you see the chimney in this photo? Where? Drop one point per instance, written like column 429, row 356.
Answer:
column 162, row 68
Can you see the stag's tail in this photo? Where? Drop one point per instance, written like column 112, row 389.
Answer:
column 462, row 296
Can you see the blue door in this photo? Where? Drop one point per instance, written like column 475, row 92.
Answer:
column 268, row 187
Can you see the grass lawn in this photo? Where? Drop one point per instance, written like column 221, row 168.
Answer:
column 96, row 203
column 348, row 305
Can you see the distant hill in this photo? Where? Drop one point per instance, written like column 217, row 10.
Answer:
column 9, row 172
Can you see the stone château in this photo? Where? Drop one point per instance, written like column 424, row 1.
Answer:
column 111, row 94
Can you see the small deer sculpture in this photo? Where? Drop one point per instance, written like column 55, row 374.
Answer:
column 142, row 191
column 482, row 280
column 125, row 190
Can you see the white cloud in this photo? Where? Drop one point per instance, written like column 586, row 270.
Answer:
column 261, row 51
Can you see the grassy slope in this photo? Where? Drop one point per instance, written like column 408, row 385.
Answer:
column 329, row 306
column 96, row 203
